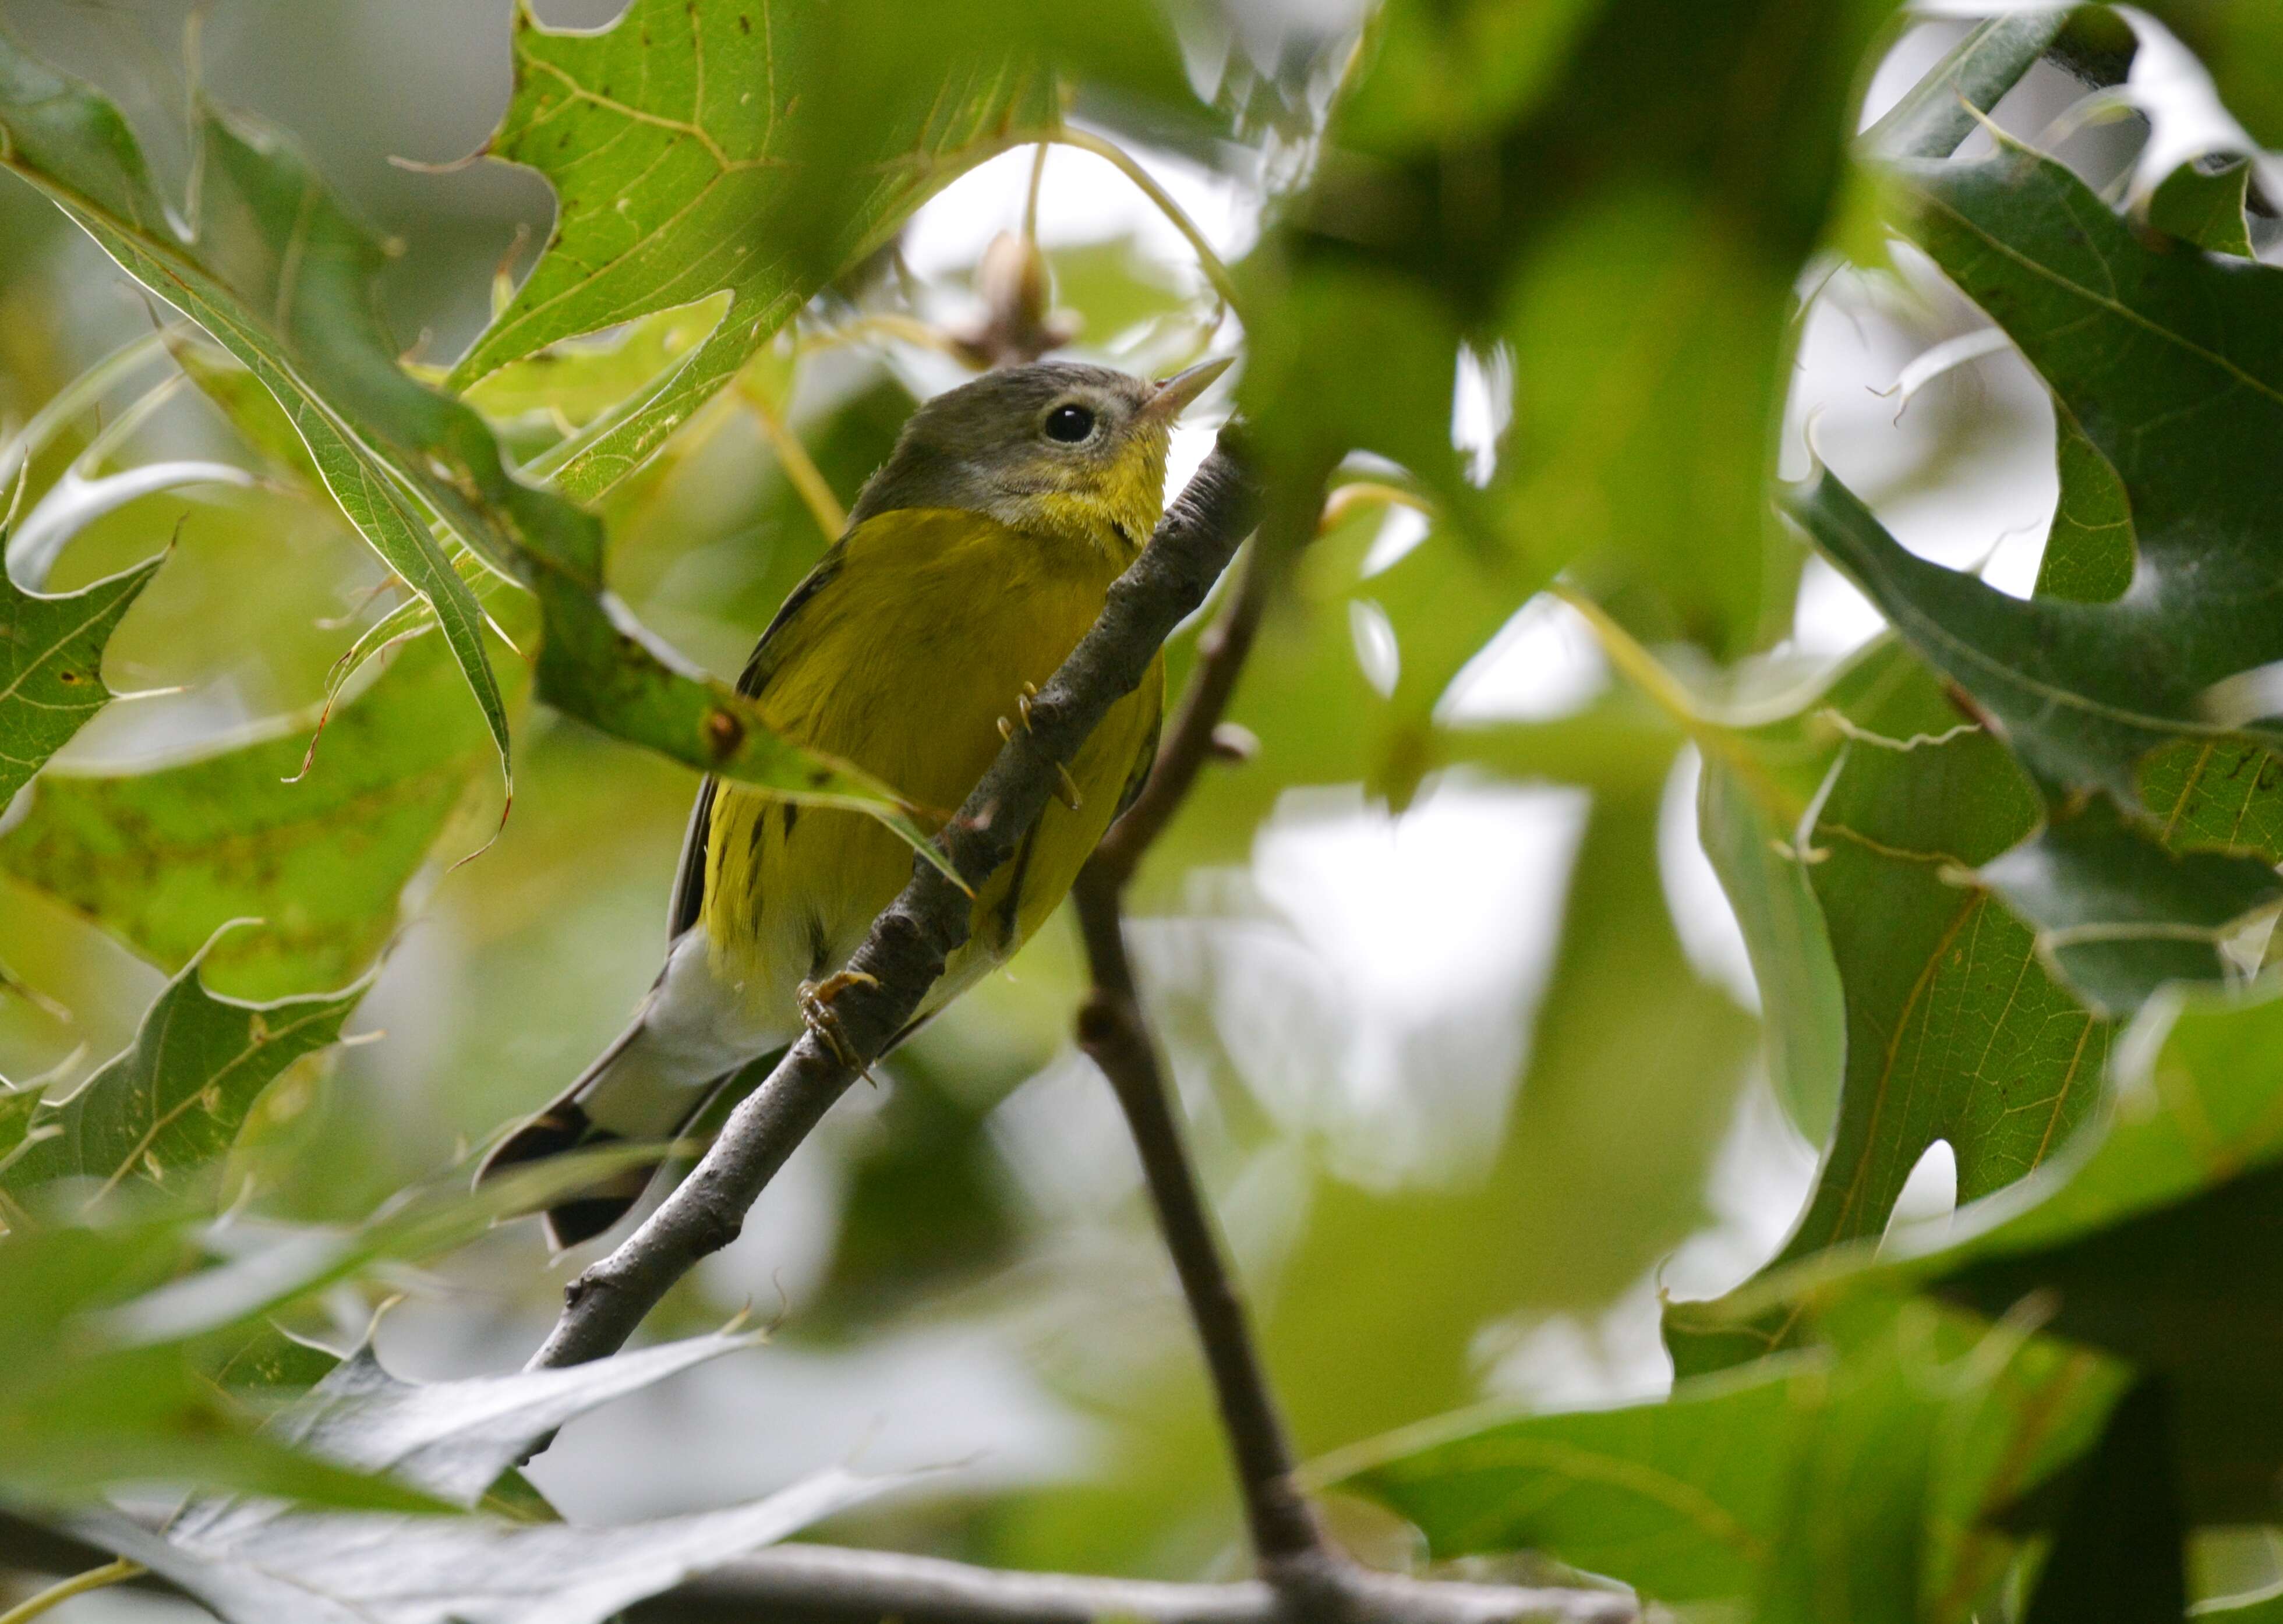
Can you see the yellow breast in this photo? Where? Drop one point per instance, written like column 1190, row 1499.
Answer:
column 903, row 661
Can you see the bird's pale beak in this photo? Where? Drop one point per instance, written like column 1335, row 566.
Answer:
column 1175, row 394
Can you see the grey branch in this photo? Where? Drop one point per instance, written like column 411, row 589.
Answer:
column 908, row 944
column 830, row 1584
column 824, row 1584
column 1114, row 1032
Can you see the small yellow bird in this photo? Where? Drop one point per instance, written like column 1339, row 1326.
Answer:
column 973, row 563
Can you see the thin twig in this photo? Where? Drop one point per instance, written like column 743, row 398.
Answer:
column 79, row 1584
column 800, row 469
column 908, row 944
column 1113, row 1031
column 823, row 1584
column 1111, row 152
column 1188, row 743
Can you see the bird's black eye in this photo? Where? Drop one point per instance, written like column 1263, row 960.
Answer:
column 1069, row 424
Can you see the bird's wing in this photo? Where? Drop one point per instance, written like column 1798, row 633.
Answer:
column 1139, row 779
column 690, row 881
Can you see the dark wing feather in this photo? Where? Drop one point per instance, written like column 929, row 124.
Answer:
column 690, row 881
column 1139, row 779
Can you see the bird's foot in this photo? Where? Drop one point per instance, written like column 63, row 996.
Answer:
column 1067, row 791
column 815, row 1000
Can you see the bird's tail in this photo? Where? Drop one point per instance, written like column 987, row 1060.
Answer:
column 638, row 1091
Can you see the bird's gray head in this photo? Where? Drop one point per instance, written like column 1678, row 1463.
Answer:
column 1052, row 448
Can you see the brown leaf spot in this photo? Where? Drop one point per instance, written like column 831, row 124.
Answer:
column 724, row 733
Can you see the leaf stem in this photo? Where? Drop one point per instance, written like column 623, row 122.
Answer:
column 1031, row 197
column 1669, row 694
column 112, row 1573
column 799, row 467
column 1124, row 163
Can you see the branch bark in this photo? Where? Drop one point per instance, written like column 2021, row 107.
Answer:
column 1116, row 1035
column 829, row 1584
column 824, row 1584
column 905, row 952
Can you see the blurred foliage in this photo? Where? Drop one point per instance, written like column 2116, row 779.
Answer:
column 1544, row 294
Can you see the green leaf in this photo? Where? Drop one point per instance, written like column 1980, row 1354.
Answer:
column 164, row 859
column 2148, row 1239
column 1931, row 1423
column 1853, row 1483
column 1852, row 1539
column 2203, row 203
column 1783, row 928
column 51, row 665
column 2121, row 915
column 299, row 258
column 2188, row 1293
column 699, row 149
column 2161, row 358
column 1941, row 111
column 1618, row 278
column 1954, row 1029
column 2088, row 557
column 173, row 1103
column 575, row 381
column 1660, row 1495
column 281, row 275
column 271, row 1362
column 81, row 1415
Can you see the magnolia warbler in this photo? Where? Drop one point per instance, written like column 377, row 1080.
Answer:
column 973, row 561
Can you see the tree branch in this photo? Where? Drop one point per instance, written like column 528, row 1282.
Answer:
column 908, row 944
column 826, row 1584
column 1113, row 1031
column 832, row 1584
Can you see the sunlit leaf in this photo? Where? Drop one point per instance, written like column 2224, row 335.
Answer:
column 173, row 1104
column 1853, row 1483
column 323, row 351
column 51, row 666
column 693, row 150
column 280, row 275
column 163, row 858
column 1661, row 1495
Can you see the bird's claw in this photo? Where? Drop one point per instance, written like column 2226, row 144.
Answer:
column 1066, row 791
column 815, row 1000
